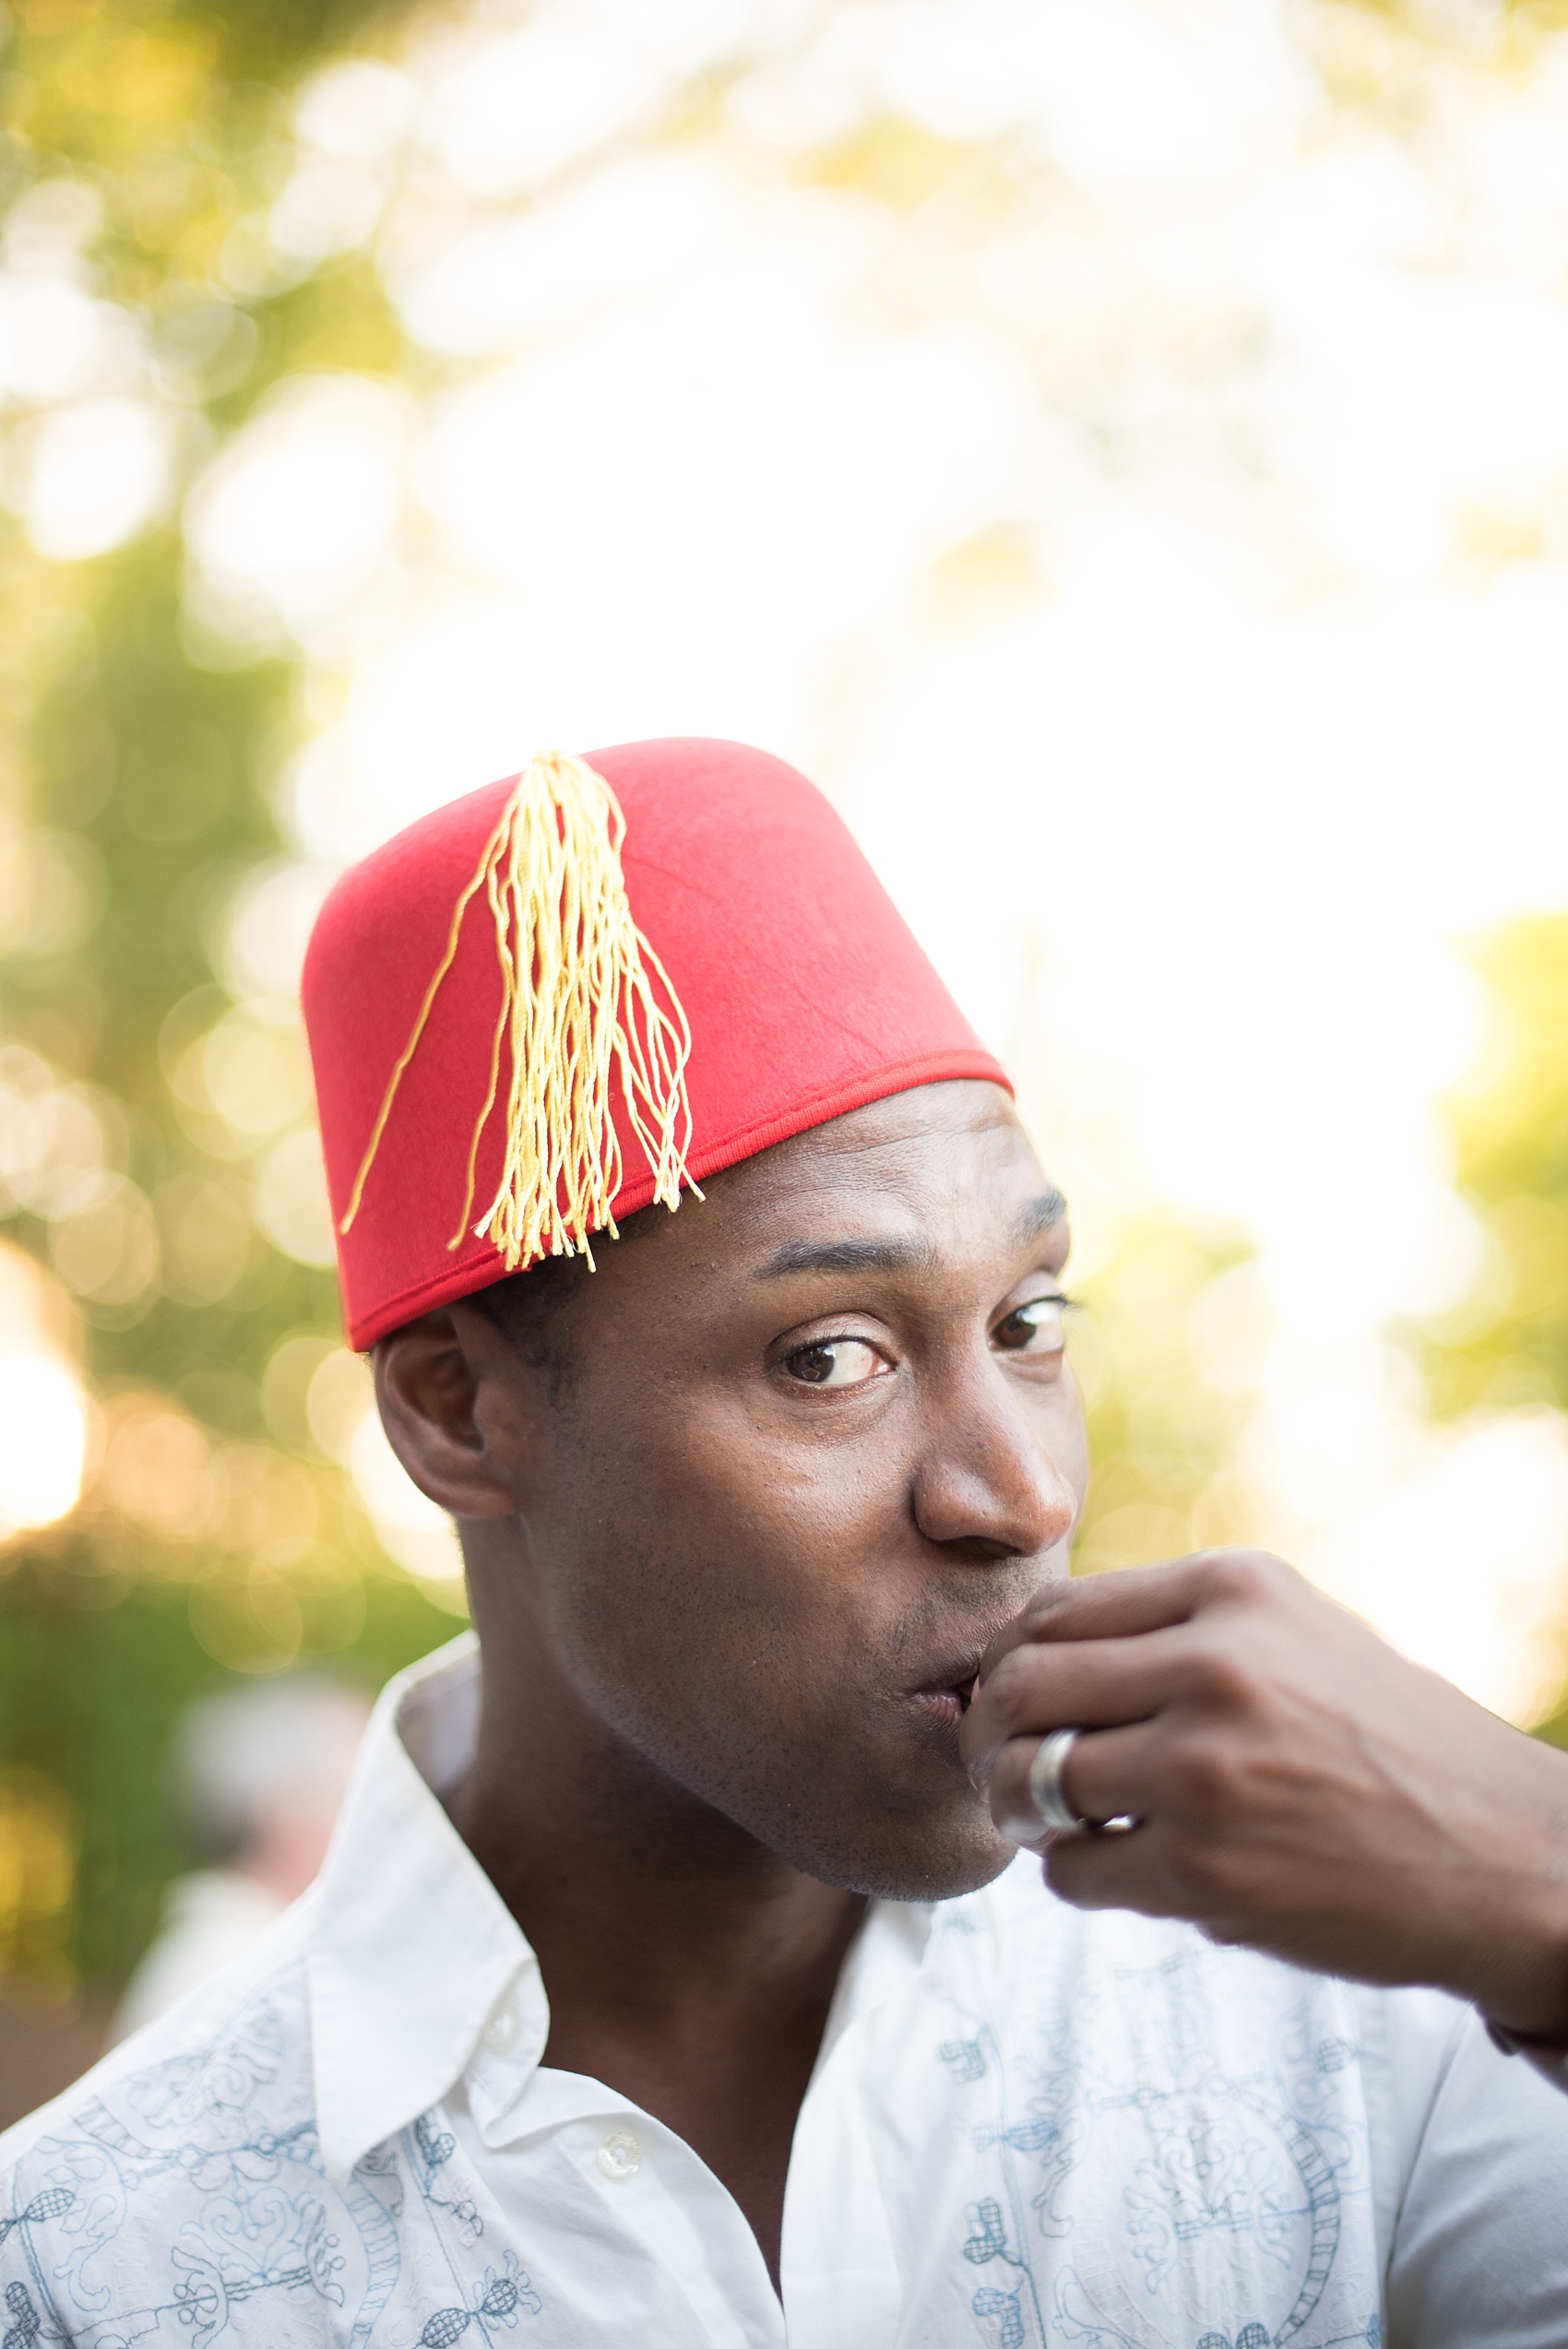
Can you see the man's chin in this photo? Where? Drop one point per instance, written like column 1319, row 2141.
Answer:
column 893, row 1829
column 884, row 1829
column 941, row 1867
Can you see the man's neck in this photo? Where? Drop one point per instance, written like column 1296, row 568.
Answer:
column 717, row 1924
column 686, row 1966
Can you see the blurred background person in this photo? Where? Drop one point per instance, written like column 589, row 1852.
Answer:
column 261, row 1775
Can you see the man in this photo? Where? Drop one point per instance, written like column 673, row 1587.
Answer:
column 669, row 1980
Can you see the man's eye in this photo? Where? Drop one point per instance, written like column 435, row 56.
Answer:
column 1033, row 1329
column 838, row 1361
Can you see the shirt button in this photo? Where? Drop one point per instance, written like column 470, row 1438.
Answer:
column 620, row 2156
column 501, row 2028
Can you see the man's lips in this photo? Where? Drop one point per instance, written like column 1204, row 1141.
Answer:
column 946, row 1705
column 948, row 1701
column 946, row 1689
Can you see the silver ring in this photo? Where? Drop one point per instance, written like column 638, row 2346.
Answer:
column 1046, row 1790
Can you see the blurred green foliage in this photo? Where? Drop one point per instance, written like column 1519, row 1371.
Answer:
column 1506, row 1348
column 89, row 1695
column 134, row 784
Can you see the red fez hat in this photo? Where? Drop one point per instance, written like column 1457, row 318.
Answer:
column 558, row 998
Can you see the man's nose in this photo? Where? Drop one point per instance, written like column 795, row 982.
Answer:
column 987, row 1478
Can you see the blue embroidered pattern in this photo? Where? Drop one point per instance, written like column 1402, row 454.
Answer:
column 254, row 2233
column 1131, row 2078
column 1103, row 2142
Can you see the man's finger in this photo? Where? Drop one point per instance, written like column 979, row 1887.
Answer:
column 1136, row 1600
column 1111, row 1773
column 1110, row 1871
column 1084, row 1685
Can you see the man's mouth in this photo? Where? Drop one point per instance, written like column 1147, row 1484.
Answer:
column 948, row 1701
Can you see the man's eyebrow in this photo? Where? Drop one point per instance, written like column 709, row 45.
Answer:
column 1041, row 1214
column 841, row 1256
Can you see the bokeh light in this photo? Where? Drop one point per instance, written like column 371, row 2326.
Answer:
column 44, row 1416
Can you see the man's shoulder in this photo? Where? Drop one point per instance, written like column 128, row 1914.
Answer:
column 105, row 2192
column 248, row 2022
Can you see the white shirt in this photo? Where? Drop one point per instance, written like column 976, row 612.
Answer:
column 209, row 1918
column 1026, row 2128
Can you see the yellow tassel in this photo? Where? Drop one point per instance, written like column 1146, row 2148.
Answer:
column 576, row 1002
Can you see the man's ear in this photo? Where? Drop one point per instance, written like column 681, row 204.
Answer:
column 458, row 1406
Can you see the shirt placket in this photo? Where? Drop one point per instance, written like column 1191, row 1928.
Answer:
column 653, row 2189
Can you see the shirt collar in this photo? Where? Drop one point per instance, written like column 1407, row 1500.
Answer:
column 413, row 1947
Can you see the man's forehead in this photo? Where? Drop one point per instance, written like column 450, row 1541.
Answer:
column 895, row 1177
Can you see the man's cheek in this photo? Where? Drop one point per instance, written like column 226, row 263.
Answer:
column 710, row 1640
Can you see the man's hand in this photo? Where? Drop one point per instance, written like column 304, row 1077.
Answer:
column 1300, row 1788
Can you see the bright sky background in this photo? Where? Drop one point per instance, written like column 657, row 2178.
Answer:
column 1117, row 534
